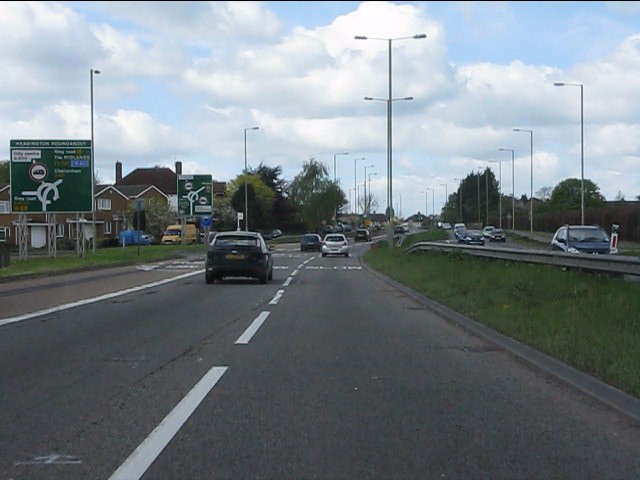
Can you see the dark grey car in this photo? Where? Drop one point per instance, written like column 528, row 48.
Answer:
column 239, row 254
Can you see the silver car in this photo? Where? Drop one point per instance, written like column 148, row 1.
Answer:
column 335, row 244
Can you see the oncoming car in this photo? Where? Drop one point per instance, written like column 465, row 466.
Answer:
column 239, row 254
column 471, row 237
column 335, row 244
column 581, row 239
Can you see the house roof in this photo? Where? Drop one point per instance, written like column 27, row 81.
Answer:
column 163, row 178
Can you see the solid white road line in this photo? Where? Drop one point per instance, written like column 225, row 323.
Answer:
column 141, row 459
column 253, row 328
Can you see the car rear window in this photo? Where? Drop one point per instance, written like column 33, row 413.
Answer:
column 235, row 241
column 334, row 238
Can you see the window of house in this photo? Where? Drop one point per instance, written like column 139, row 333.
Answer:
column 107, row 228
column 60, row 230
column 4, row 234
column 4, row 206
column 104, row 204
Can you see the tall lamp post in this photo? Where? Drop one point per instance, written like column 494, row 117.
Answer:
column 513, row 186
column 562, row 84
column 530, row 199
column 368, row 212
column 459, row 196
column 334, row 163
column 335, row 213
column 93, row 72
column 426, row 209
column 446, row 199
column 433, row 202
column 355, row 160
column 246, row 201
column 365, row 200
column 499, row 189
column 389, row 101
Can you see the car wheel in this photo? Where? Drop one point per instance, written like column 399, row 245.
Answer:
column 208, row 278
column 324, row 254
column 270, row 276
column 346, row 255
column 264, row 277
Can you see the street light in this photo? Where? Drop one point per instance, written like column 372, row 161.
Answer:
column 354, row 180
column 499, row 190
column 389, row 101
column 562, row 84
column 368, row 201
column 93, row 72
column 334, row 163
column 426, row 209
column 246, row 202
column 478, row 194
column 446, row 200
column 530, row 199
column 433, row 202
column 364, row 183
column 459, row 196
column 513, row 188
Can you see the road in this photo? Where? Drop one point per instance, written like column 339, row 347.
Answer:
column 328, row 372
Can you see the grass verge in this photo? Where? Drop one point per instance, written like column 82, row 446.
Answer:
column 589, row 321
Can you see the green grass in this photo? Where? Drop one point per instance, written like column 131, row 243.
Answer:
column 589, row 321
column 39, row 262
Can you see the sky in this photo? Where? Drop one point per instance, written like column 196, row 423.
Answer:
column 189, row 81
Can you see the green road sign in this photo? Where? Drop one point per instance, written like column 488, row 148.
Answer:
column 50, row 176
column 194, row 194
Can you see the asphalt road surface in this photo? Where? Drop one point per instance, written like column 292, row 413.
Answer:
column 327, row 372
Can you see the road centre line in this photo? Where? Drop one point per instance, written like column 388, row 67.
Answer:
column 252, row 329
column 293, row 274
column 66, row 306
column 276, row 298
column 142, row 457
column 287, row 282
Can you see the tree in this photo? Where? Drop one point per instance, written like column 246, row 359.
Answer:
column 620, row 196
column 259, row 199
column 157, row 214
column 282, row 209
column 315, row 196
column 567, row 195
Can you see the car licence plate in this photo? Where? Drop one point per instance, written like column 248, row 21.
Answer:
column 234, row 256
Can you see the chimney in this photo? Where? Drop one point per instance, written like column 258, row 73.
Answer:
column 118, row 172
column 178, row 167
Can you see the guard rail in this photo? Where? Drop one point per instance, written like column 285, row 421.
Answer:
column 615, row 264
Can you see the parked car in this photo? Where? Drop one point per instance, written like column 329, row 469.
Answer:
column 239, row 254
column 398, row 230
column 471, row 237
column 497, row 235
column 335, row 244
column 134, row 237
column 581, row 239
column 311, row 242
column 362, row 235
